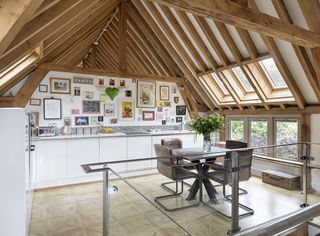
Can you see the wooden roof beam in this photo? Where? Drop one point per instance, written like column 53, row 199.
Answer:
column 235, row 14
column 123, row 36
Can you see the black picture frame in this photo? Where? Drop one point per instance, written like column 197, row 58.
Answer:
column 181, row 110
column 81, row 120
column 179, row 119
column 43, row 88
column 52, row 109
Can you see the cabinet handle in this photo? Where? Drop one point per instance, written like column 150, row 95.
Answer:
column 32, row 148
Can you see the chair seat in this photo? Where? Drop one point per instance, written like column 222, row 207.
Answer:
column 182, row 173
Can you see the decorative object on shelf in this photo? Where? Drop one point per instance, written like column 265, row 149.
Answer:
column 66, row 129
column 67, row 121
column 176, row 100
column 100, row 118
column 146, row 94
column 126, row 111
column 128, row 93
column 112, row 92
column 122, row 83
column 181, row 110
column 148, row 115
column 88, row 95
column 81, row 120
column 112, row 82
column 205, row 126
column 163, row 122
column 60, row 86
column 93, row 120
column 75, row 111
column 91, row 107
column 109, row 109
column 101, row 82
column 178, row 119
column 113, row 121
column 43, row 88
column 78, row 80
column 77, row 91
column 34, row 116
column 103, row 97
column 35, row 102
column 164, row 93
column 52, row 109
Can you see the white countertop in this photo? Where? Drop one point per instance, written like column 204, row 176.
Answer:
column 116, row 134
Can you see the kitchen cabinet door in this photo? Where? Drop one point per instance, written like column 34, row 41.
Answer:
column 81, row 151
column 51, row 160
column 114, row 149
column 139, row 147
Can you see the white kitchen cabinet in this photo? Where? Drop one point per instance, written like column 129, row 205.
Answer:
column 139, row 147
column 81, row 151
column 114, row 149
column 51, row 160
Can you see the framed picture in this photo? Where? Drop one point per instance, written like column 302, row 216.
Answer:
column 181, row 110
column 146, row 94
column 77, row 91
column 178, row 119
column 81, row 120
column 126, row 111
column 113, row 121
column 91, row 107
column 112, row 82
column 75, row 111
column 101, row 82
column 88, row 95
column 67, row 121
column 100, row 118
column 148, row 115
column 43, row 88
column 128, row 93
column 35, row 102
column 93, row 120
column 122, row 83
column 109, row 109
column 52, row 109
column 78, row 80
column 164, row 93
column 60, row 86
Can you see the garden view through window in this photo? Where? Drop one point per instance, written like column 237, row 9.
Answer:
column 258, row 135
column 237, row 130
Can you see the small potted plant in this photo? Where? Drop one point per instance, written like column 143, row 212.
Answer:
column 209, row 126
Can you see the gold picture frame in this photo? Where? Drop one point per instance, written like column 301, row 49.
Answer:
column 60, row 86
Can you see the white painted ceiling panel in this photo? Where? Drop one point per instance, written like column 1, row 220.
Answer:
column 236, row 38
column 296, row 13
column 256, row 38
column 266, row 7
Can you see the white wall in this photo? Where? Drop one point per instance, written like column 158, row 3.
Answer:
column 71, row 101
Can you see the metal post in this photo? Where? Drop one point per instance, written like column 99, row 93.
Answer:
column 106, row 208
column 235, row 194
column 305, row 175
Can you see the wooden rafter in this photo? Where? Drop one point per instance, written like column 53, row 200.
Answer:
column 234, row 14
column 123, row 36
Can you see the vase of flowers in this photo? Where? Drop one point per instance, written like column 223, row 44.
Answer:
column 209, row 126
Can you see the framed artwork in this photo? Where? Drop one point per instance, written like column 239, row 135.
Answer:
column 100, row 118
column 178, row 119
column 128, row 93
column 176, row 100
column 113, row 121
column 43, row 88
column 77, row 91
column 75, row 111
column 88, row 95
column 101, row 82
column 52, row 109
column 148, row 115
column 164, row 93
column 35, row 102
column 103, row 97
column 112, row 82
column 126, row 111
column 146, row 94
column 67, row 121
column 122, row 83
column 81, row 120
column 93, row 120
column 181, row 110
column 60, row 86
column 109, row 109
column 91, row 107
column 78, row 80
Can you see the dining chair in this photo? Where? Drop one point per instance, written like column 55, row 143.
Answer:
column 222, row 174
column 166, row 165
column 175, row 143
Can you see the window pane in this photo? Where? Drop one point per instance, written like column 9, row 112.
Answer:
column 287, row 132
column 237, row 130
column 219, row 82
column 273, row 73
column 243, row 78
column 259, row 135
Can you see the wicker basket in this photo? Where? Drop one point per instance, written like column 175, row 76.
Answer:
column 280, row 179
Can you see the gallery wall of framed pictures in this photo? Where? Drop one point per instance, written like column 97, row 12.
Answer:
column 88, row 100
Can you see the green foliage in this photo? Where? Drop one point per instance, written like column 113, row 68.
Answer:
column 237, row 130
column 207, row 124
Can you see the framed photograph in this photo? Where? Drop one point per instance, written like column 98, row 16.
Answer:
column 52, row 109
column 112, row 82
column 43, row 88
column 91, row 107
column 88, row 95
column 176, row 100
column 146, row 94
column 81, row 120
column 35, row 102
column 103, row 97
column 100, row 118
column 148, row 115
column 75, row 111
column 164, row 93
column 77, row 91
column 113, row 121
column 109, row 109
column 60, row 86
column 93, row 120
column 122, row 83
column 128, row 93
column 78, row 80
column 126, row 111
column 101, row 82
column 181, row 110
column 178, row 119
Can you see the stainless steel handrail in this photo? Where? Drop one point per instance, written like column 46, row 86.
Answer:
column 283, row 223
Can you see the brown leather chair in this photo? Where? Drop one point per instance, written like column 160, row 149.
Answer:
column 167, row 167
column 223, row 174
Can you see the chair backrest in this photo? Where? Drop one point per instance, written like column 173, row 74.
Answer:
column 232, row 144
column 172, row 143
column 165, row 163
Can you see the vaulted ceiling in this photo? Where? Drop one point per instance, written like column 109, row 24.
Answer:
column 239, row 54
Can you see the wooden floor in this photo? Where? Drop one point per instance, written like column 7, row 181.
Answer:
column 77, row 210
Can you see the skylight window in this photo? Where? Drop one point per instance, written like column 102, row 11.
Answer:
column 219, row 82
column 273, row 73
column 243, row 79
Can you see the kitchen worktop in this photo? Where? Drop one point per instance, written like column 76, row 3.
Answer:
column 116, row 134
